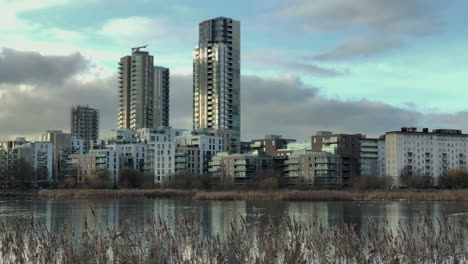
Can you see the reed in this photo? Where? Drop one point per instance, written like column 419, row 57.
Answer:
column 290, row 241
column 285, row 195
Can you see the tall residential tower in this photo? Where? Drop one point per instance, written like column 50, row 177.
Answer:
column 161, row 96
column 143, row 92
column 84, row 122
column 216, row 80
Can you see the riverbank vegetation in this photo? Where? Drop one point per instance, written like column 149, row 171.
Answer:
column 184, row 241
column 284, row 195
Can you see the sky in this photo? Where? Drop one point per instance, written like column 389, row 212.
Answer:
column 347, row 66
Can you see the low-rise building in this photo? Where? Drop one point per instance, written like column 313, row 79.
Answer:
column 239, row 168
column 97, row 160
column 39, row 156
column 348, row 146
column 199, row 150
column 314, row 169
column 269, row 145
column 160, row 151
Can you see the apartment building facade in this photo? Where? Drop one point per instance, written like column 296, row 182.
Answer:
column 308, row 168
column 216, row 78
column 239, row 168
column 424, row 153
column 84, row 122
column 161, row 96
column 348, row 146
column 199, row 150
column 143, row 92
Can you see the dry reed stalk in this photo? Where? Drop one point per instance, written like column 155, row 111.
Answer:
column 183, row 240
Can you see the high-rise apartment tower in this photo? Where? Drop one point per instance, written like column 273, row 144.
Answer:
column 161, row 96
column 143, row 92
column 84, row 122
column 216, row 80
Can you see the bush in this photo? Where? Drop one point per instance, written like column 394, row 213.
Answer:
column 415, row 178
column 99, row 179
column 454, row 179
column 68, row 182
column 417, row 181
column 187, row 181
column 366, row 182
column 129, row 178
column 268, row 184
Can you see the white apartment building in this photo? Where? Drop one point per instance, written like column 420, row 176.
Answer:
column 79, row 146
column 39, row 155
column 206, row 147
column 132, row 156
column 425, row 153
column 160, row 151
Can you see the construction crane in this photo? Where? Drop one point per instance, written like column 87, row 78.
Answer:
column 136, row 49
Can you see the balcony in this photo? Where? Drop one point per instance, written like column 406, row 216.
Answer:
column 240, row 162
column 256, row 145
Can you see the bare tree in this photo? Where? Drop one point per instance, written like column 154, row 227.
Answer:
column 454, row 179
column 415, row 178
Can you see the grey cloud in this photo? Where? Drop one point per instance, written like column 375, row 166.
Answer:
column 382, row 24
column 358, row 47
column 19, row 67
column 283, row 105
column 286, row 62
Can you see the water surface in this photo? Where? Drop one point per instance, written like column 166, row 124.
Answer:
column 215, row 216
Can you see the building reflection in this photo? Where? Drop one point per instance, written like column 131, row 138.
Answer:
column 215, row 217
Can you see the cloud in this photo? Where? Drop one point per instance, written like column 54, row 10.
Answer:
column 137, row 30
column 358, row 47
column 375, row 25
column 18, row 67
column 286, row 62
column 285, row 105
column 281, row 104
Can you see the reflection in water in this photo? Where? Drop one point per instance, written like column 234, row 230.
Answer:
column 215, row 216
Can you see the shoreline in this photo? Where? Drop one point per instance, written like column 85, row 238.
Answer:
column 280, row 195
column 19, row 193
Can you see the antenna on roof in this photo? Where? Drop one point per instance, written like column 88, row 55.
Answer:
column 136, row 49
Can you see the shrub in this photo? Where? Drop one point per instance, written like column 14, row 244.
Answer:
column 454, row 179
column 187, row 181
column 67, row 182
column 366, row 182
column 98, row 179
column 130, row 178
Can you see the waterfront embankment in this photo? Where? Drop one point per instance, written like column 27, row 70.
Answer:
column 283, row 195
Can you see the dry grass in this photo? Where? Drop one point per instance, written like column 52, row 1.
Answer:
column 110, row 193
column 17, row 193
column 183, row 241
column 285, row 195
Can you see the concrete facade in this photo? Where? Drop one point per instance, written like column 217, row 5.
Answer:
column 239, row 167
column 347, row 146
column 425, row 153
column 370, row 157
column 197, row 146
column 84, row 122
column 314, row 168
column 139, row 101
column 216, row 78
column 161, row 96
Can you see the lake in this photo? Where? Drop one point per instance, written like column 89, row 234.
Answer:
column 217, row 215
